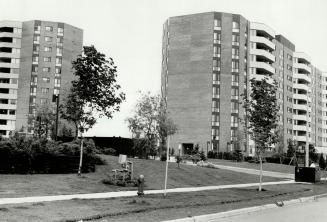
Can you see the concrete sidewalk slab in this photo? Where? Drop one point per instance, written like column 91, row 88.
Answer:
column 254, row 171
column 217, row 216
column 19, row 200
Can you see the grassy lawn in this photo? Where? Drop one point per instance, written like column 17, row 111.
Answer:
column 55, row 184
column 266, row 166
column 156, row 207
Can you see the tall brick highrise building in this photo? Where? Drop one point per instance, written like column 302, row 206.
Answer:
column 35, row 64
column 207, row 62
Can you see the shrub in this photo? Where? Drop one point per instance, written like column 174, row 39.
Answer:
column 203, row 156
column 238, row 155
column 163, row 156
column 322, row 162
column 109, row 151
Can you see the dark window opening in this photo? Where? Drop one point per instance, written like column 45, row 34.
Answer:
column 3, row 101
column 6, row 49
column 5, row 70
column 7, row 29
column 3, row 122
column 3, row 111
column 5, row 91
column 6, row 39
column 5, row 60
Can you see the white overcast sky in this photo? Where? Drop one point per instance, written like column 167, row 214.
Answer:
column 130, row 32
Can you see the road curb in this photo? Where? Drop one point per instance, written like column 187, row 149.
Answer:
column 215, row 216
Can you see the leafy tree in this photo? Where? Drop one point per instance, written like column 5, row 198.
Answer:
column 44, row 120
column 94, row 90
column 261, row 110
column 313, row 156
column 150, row 118
column 291, row 148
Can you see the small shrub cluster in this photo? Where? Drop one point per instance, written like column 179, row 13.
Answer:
column 22, row 154
column 194, row 158
column 236, row 155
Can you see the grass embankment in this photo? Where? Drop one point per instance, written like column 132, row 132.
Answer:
column 156, row 207
column 154, row 171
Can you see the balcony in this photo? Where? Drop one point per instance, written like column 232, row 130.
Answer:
column 215, row 109
column 302, row 56
column 235, row 70
column 301, row 107
column 215, row 82
column 264, row 53
column 234, row 111
column 302, row 76
column 301, row 86
column 235, row 43
column 301, row 138
column 217, row 28
column 265, row 67
column 301, row 96
column 261, row 27
column 234, row 97
column 216, row 96
column 264, row 41
column 215, row 123
column 234, row 83
column 216, row 68
column 301, row 128
column 216, row 41
column 216, row 55
column 215, row 137
column 301, row 117
column 235, row 56
column 302, row 67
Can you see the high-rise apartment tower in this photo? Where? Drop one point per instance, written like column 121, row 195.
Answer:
column 207, row 62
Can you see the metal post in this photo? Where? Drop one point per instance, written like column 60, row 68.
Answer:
column 57, row 116
column 166, row 176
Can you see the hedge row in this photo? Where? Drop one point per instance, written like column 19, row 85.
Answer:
column 22, row 155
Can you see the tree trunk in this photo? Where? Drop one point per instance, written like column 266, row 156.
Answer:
column 76, row 131
column 260, row 183
column 80, row 157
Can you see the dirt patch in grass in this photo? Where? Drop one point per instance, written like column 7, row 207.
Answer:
column 157, row 207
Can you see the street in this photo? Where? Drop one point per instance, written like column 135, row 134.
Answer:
column 303, row 212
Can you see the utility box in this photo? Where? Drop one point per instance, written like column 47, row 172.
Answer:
column 307, row 174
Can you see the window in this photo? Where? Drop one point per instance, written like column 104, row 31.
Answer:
column 235, row 39
column 235, row 66
column 13, row 101
column 48, row 28
column 289, row 67
column 215, row 118
column 3, row 111
column 215, row 104
column 36, row 39
column 46, row 79
column 217, row 23
column 46, row 69
column 48, row 39
column 58, row 70
column 289, row 110
column 289, row 99
column 15, row 50
column 59, row 41
column 15, row 61
column 47, row 49
column 236, row 25
column 33, row 79
column 47, row 59
column 32, row 100
column 216, row 50
column 289, row 121
column 289, row 57
column 289, row 88
column 59, row 51
column 12, row 112
column 289, row 131
column 289, row 78
column 33, row 91
column 3, row 122
column 234, row 119
column 234, row 105
column 234, row 92
column 44, row 90
column 215, row 77
column 14, row 81
column 60, row 31
column 216, row 36
column 36, row 48
column 37, row 28
column 235, row 53
column 57, row 82
column 235, row 77
column 58, row 60
column 216, row 65
column 215, row 90
column 35, row 68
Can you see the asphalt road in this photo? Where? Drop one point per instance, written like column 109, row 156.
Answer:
column 302, row 212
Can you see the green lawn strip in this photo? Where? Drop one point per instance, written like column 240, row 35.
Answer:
column 175, row 205
column 154, row 172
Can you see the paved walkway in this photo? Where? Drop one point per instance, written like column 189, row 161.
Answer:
column 19, row 200
column 255, row 172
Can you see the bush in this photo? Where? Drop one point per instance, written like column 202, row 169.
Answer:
column 163, row 156
column 203, row 156
column 22, row 154
column 109, row 151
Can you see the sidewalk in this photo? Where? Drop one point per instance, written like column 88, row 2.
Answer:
column 19, row 200
column 255, row 172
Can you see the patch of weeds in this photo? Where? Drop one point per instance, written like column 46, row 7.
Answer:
column 145, row 202
column 132, row 202
column 3, row 209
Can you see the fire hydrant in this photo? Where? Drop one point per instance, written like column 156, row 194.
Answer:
column 140, row 183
